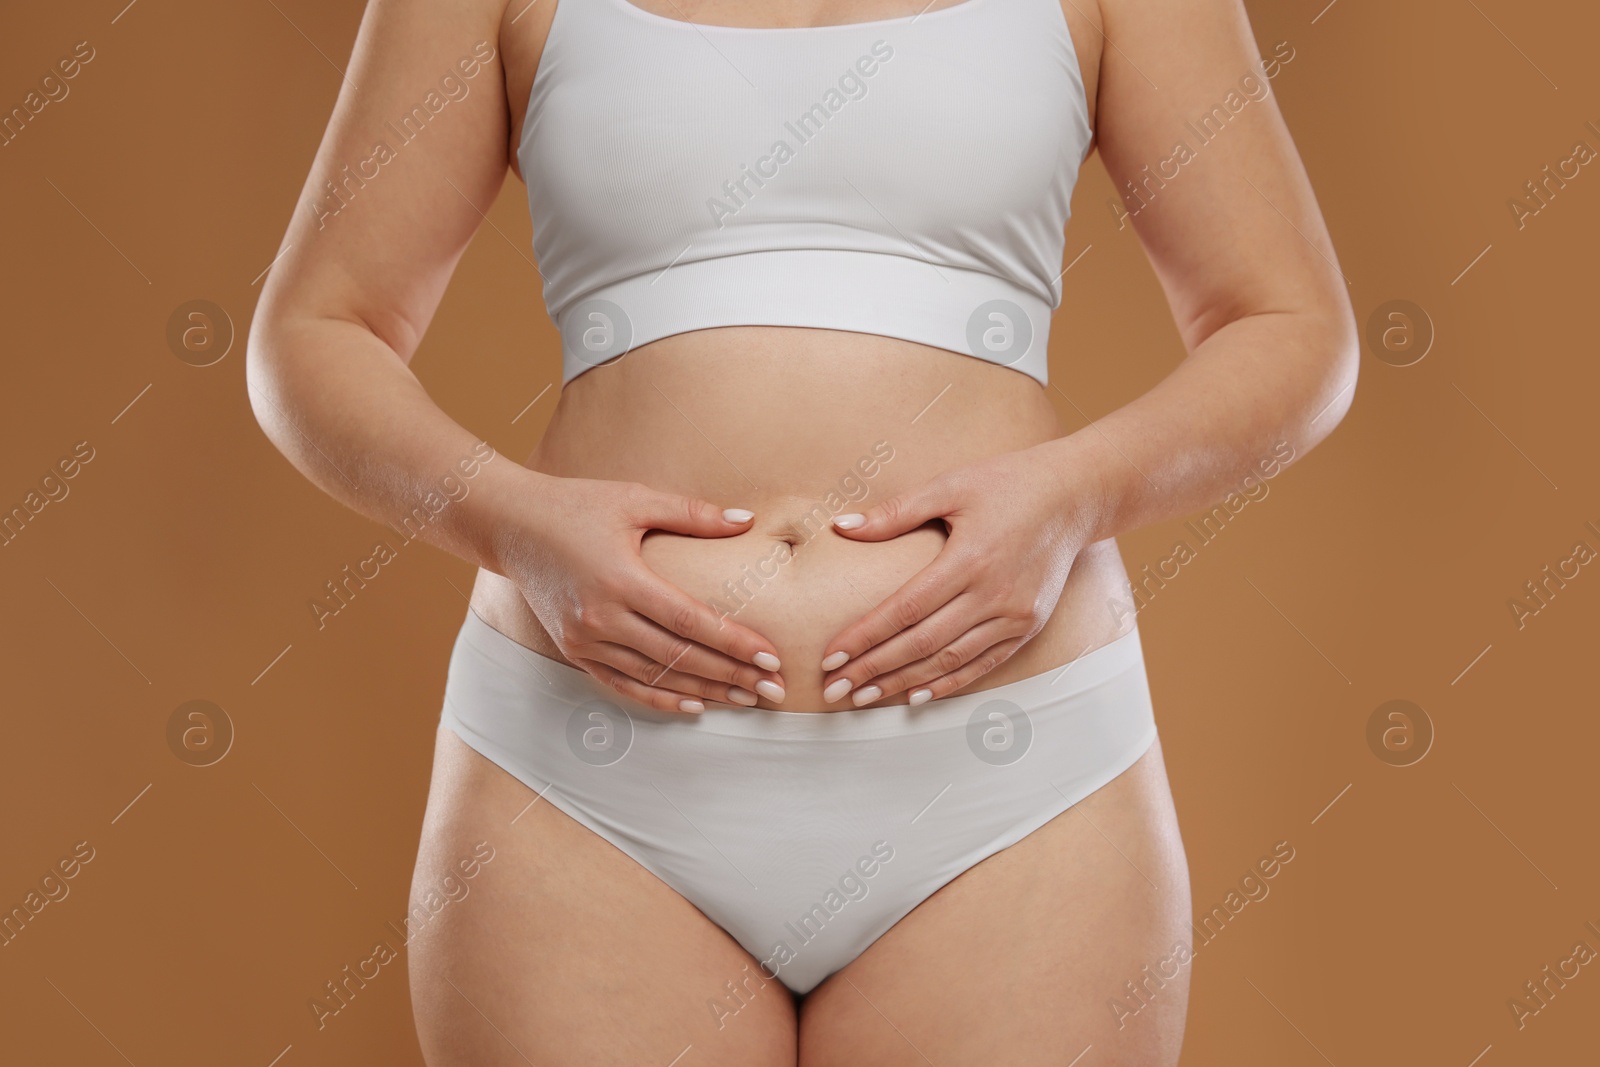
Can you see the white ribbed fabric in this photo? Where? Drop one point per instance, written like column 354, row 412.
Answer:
column 909, row 177
column 804, row 835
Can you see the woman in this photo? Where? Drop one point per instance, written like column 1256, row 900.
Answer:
column 800, row 700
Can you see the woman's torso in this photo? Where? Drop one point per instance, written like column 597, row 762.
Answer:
column 797, row 424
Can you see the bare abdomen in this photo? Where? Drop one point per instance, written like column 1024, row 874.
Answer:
column 798, row 426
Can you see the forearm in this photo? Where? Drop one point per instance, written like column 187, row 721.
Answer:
column 1254, row 396
column 347, row 412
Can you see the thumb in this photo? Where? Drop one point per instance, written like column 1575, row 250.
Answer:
column 897, row 515
column 687, row 515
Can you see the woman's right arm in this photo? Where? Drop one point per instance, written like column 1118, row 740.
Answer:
column 374, row 239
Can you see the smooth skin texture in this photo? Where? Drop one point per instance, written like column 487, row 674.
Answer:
column 603, row 548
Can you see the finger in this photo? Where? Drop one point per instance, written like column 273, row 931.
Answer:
column 946, row 684
column 653, row 674
column 684, row 657
column 899, row 514
column 635, row 690
column 653, row 510
column 949, row 660
column 932, row 637
column 666, row 604
column 923, row 593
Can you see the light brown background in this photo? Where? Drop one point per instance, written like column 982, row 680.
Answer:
column 182, row 562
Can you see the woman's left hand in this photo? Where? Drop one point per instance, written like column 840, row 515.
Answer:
column 1016, row 523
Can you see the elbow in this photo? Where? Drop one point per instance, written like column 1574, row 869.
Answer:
column 259, row 373
column 1335, row 392
column 1330, row 389
column 264, row 376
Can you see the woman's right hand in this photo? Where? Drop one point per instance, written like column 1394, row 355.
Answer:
column 580, row 569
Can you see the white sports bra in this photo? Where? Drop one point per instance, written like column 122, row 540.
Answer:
column 908, row 177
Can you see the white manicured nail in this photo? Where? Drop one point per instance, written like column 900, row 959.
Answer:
column 866, row 695
column 920, row 696
column 771, row 690
column 837, row 690
column 738, row 515
column 835, row 660
column 849, row 522
column 690, row 705
column 766, row 661
column 742, row 696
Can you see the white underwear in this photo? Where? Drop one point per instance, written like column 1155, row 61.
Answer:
column 805, row 836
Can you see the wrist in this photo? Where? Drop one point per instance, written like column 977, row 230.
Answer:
column 493, row 520
column 1091, row 480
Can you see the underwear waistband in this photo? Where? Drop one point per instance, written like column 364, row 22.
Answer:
column 538, row 677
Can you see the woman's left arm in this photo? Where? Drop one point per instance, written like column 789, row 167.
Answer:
column 1233, row 231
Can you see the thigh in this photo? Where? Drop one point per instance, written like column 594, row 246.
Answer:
column 1027, row 957
column 559, row 949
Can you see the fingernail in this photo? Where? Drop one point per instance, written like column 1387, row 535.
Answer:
column 834, row 660
column 849, row 522
column 742, row 696
column 866, row 695
column 836, row 690
column 738, row 515
column 766, row 661
column 920, row 696
column 771, row 690
column 690, row 705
